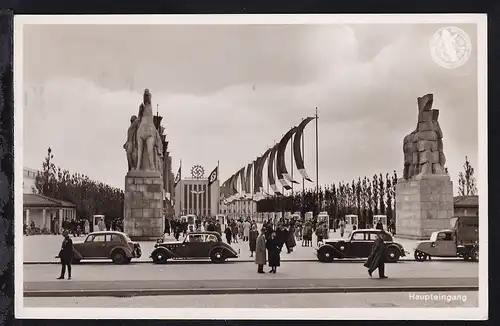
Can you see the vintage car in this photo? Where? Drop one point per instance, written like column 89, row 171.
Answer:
column 359, row 245
column 195, row 245
column 107, row 245
column 460, row 241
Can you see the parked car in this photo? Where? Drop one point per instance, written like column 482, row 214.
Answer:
column 359, row 245
column 460, row 241
column 195, row 245
column 107, row 245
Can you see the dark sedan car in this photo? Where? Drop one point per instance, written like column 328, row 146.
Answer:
column 113, row 245
column 195, row 245
column 359, row 245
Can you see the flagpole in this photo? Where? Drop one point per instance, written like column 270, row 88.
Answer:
column 291, row 162
column 180, row 178
column 317, row 162
column 303, row 180
column 218, row 189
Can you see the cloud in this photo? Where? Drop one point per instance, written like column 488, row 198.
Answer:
column 229, row 99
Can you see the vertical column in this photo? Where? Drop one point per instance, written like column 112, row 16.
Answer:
column 60, row 219
column 44, row 215
column 28, row 216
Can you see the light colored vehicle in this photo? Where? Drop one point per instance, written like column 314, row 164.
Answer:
column 462, row 240
column 351, row 223
column 382, row 219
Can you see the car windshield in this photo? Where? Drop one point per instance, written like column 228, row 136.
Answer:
column 433, row 236
column 127, row 237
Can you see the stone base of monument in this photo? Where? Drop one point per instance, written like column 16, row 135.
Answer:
column 143, row 206
column 424, row 204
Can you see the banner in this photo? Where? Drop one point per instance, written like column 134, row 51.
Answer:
column 178, row 176
column 248, row 179
column 281, row 170
column 258, row 176
column 213, row 176
column 297, row 152
column 270, row 171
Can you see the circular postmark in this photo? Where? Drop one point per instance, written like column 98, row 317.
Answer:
column 450, row 47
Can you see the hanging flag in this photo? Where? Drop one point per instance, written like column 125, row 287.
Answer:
column 270, row 171
column 178, row 176
column 248, row 185
column 297, row 152
column 213, row 176
column 281, row 170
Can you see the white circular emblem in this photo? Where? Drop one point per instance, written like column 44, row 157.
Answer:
column 450, row 47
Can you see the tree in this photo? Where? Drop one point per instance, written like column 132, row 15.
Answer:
column 467, row 180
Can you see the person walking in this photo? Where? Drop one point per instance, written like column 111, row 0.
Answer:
column 246, row 230
column 342, row 228
column 260, row 251
column 252, row 239
column 66, row 255
column 86, row 227
column 376, row 260
column 234, row 230
column 273, row 249
column 228, row 233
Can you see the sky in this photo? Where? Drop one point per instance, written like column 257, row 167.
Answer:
column 228, row 92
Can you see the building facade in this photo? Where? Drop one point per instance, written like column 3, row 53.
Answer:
column 194, row 196
column 466, row 205
column 47, row 213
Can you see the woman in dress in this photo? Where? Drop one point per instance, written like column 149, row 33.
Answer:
column 253, row 239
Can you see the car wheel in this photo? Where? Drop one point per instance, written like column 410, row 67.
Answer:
column 159, row 258
column 325, row 255
column 420, row 256
column 392, row 255
column 474, row 254
column 217, row 256
column 119, row 257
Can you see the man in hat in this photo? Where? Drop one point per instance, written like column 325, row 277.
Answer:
column 66, row 255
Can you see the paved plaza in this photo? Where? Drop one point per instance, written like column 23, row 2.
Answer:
column 44, row 248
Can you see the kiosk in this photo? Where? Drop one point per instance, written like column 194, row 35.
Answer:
column 381, row 218
column 323, row 217
column 95, row 222
column 222, row 219
column 351, row 223
column 191, row 221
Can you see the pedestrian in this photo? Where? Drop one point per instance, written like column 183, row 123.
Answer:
column 273, row 249
column 252, row 239
column 342, row 228
column 234, row 230
column 229, row 234
column 379, row 225
column 66, row 255
column 260, row 251
column 246, row 230
column 290, row 242
column 376, row 260
column 319, row 234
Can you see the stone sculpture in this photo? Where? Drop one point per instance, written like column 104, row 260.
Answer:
column 130, row 145
column 423, row 148
column 144, row 145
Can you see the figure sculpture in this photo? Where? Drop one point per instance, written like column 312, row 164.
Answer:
column 423, row 147
column 144, row 145
column 130, row 145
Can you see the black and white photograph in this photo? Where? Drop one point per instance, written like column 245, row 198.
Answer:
column 251, row 167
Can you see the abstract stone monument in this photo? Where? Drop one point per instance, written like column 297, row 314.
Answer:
column 424, row 196
column 143, row 206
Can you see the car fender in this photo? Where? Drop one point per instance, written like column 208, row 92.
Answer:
column 167, row 252
column 77, row 254
column 337, row 252
column 126, row 250
column 227, row 248
column 218, row 247
column 425, row 247
column 398, row 247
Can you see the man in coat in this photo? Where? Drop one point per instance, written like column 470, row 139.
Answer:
column 66, row 255
column 377, row 258
column 260, row 251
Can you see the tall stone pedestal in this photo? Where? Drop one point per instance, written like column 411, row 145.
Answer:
column 423, row 205
column 143, row 207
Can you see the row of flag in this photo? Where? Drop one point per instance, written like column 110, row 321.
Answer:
column 248, row 183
